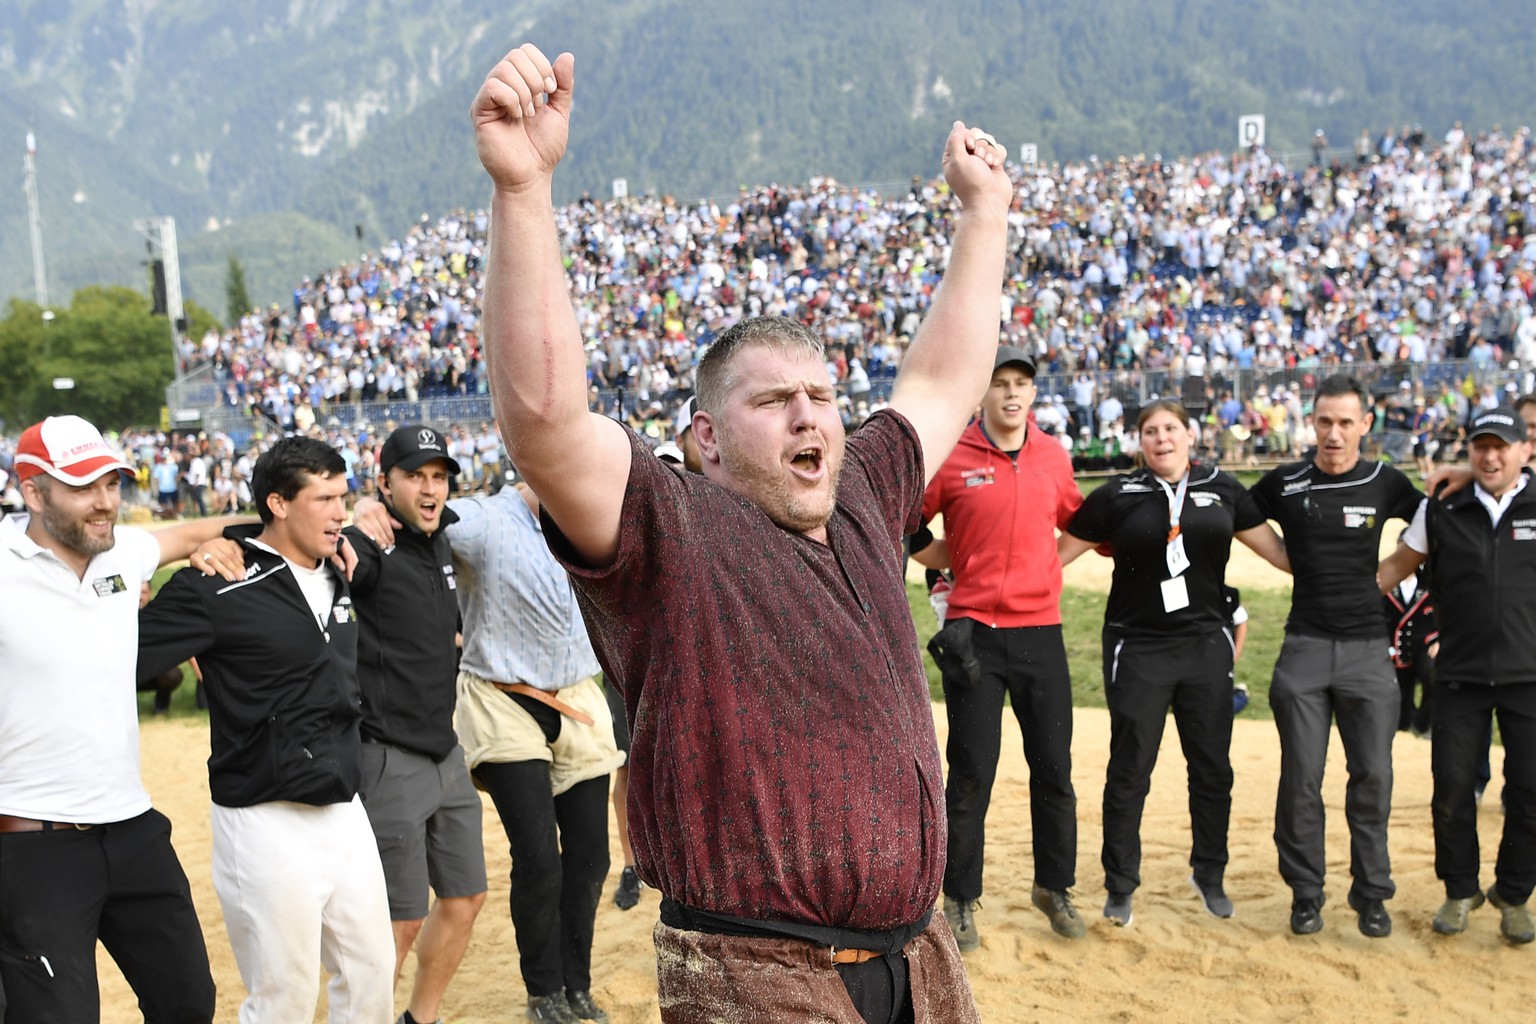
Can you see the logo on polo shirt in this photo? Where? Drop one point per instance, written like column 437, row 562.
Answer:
column 1204, row 499
column 109, row 585
column 1297, row 485
column 1357, row 516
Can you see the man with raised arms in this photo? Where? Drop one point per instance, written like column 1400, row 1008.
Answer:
column 785, row 793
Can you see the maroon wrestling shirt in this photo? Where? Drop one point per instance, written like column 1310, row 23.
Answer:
column 783, row 762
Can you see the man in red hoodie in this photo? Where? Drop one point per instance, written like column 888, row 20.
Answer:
column 1003, row 492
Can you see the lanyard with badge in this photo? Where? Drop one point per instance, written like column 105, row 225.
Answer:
column 1175, row 590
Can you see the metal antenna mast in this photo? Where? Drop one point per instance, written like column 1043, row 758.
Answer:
column 35, row 218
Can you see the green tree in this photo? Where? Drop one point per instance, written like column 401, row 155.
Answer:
column 237, row 296
column 199, row 320
column 107, row 342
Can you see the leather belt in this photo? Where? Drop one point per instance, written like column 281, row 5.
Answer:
column 854, row 956
column 547, row 698
column 11, row 823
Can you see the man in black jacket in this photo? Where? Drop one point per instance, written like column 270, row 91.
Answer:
column 1480, row 545
column 294, row 859
column 415, row 782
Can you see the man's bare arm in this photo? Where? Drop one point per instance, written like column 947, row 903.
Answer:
column 946, row 372
column 577, row 461
column 1068, row 547
column 178, row 543
column 1266, row 543
column 934, row 556
column 1447, row 480
column 1397, row 567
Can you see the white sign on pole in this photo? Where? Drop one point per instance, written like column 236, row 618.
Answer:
column 1029, row 154
column 1250, row 131
column 620, row 188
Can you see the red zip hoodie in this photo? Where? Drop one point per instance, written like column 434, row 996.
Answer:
column 1000, row 518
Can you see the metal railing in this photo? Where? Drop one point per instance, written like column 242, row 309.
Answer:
column 1133, row 387
column 189, row 396
column 1136, row 387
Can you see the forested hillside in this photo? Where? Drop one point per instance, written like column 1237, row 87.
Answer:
column 287, row 126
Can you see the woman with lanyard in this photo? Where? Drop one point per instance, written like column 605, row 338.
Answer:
column 1170, row 524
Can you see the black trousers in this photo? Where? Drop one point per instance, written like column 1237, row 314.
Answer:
column 1028, row 664
column 880, row 989
column 63, row 889
column 1143, row 679
column 559, row 861
column 1461, row 718
column 1419, row 671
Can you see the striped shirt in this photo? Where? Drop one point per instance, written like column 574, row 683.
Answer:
column 521, row 621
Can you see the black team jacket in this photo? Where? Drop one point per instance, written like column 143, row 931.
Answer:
column 407, row 657
column 1484, row 582
column 283, row 700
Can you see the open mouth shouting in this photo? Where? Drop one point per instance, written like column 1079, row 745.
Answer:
column 808, row 462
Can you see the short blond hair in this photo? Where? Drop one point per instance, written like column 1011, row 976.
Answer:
column 715, row 378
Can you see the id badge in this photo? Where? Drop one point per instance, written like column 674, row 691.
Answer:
column 1175, row 594
column 1178, row 561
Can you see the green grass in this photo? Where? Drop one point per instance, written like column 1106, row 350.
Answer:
column 1082, row 616
column 184, row 697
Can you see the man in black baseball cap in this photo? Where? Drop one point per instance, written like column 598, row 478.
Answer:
column 412, row 447
column 1010, row 355
column 1003, row 492
column 422, row 805
column 1480, row 545
column 1501, row 422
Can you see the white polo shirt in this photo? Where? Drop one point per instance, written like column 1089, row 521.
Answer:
column 69, row 725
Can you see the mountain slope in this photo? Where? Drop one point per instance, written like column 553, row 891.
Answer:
column 352, row 112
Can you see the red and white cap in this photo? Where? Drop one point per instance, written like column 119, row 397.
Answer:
column 67, row 448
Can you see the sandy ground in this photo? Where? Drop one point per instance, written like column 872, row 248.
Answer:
column 1244, row 570
column 1174, row 963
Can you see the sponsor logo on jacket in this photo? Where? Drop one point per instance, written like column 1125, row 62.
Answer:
column 978, row 477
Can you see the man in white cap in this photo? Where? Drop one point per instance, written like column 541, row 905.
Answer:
column 689, row 445
column 85, row 855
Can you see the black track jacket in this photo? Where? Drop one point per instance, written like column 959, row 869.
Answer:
column 407, row 661
column 283, row 699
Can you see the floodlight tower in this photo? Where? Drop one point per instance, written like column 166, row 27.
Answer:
column 165, row 262
column 35, row 219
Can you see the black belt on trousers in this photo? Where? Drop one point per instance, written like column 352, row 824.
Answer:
column 884, row 942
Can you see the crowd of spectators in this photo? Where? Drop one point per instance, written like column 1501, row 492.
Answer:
column 1232, row 280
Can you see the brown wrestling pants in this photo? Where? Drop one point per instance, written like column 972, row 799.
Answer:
column 724, row 979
